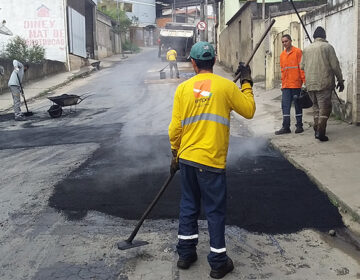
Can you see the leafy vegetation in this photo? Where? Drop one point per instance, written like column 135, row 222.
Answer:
column 18, row 49
column 128, row 46
column 123, row 22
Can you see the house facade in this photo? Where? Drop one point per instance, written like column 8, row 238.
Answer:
column 340, row 19
column 241, row 33
column 65, row 28
column 143, row 15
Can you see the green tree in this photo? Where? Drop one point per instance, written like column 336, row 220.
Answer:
column 18, row 49
column 120, row 17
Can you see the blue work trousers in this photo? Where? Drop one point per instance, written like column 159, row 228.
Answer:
column 288, row 96
column 199, row 186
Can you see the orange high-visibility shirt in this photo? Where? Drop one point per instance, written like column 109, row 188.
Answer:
column 291, row 74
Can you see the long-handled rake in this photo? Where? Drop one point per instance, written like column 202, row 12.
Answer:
column 130, row 242
column 27, row 113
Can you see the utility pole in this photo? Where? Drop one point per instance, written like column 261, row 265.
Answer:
column 263, row 9
column 118, row 24
column 173, row 18
column 202, row 18
column 206, row 21
column 216, row 23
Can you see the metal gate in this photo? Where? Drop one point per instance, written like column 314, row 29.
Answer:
column 77, row 33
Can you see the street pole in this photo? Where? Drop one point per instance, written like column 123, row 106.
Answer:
column 202, row 18
column 206, row 21
column 216, row 24
column 173, row 18
column 118, row 24
column 263, row 9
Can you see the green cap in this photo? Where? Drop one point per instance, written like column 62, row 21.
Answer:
column 202, row 51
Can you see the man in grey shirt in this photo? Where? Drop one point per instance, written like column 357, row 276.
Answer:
column 321, row 66
column 15, row 87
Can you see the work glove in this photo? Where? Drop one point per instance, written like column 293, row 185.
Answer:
column 340, row 86
column 174, row 166
column 16, row 69
column 245, row 73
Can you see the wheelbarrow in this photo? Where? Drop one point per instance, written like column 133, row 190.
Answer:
column 63, row 100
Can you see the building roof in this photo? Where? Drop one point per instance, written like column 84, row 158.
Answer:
column 182, row 3
column 282, row 7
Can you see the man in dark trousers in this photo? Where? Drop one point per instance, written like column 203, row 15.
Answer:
column 321, row 66
column 171, row 57
column 199, row 137
column 292, row 78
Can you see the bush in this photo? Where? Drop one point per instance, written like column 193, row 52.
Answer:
column 128, row 46
column 36, row 54
column 19, row 50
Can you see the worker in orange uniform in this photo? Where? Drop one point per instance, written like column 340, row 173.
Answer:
column 292, row 78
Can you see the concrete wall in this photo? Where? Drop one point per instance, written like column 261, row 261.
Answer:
column 104, row 36
column 356, row 96
column 235, row 42
column 108, row 42
column 345, row 13
column 36, row 71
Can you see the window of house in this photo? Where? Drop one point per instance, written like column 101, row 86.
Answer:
column 128, row 7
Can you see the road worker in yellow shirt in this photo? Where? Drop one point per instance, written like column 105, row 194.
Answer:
column 171, row 56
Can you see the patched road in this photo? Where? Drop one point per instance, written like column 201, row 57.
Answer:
column 72, row 187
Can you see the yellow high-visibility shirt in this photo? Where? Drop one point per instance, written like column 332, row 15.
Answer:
column 171, row 55
column 200, row 124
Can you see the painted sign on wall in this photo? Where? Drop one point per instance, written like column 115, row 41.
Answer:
column 39, row 22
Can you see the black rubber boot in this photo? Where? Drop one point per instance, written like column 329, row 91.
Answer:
column 322, row 131
column 186, row 263
column 323, row 138
column 283, row 130
column 299, row 129
column 223, row 270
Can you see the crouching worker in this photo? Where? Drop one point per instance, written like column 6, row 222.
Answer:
column 199, row 137
column 15, row 80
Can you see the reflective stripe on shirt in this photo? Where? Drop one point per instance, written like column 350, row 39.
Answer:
column 290, row 67
column 206, row 117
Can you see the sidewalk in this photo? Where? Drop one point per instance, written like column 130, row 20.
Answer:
column 334, row 165
column 34, row 89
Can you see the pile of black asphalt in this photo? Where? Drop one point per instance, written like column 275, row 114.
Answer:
column 266, row 193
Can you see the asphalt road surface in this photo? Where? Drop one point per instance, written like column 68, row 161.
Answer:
column 72, row 187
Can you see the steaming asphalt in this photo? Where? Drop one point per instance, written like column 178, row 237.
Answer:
column 112, row 155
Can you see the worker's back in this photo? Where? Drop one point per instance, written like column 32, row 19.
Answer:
column 171, row 55
column 203, row 105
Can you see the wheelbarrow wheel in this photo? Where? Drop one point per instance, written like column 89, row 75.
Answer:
column 55, row 111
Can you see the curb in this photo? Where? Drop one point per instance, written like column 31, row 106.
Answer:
column 334, row 199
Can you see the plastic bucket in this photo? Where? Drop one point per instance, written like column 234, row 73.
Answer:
column 162, row 75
